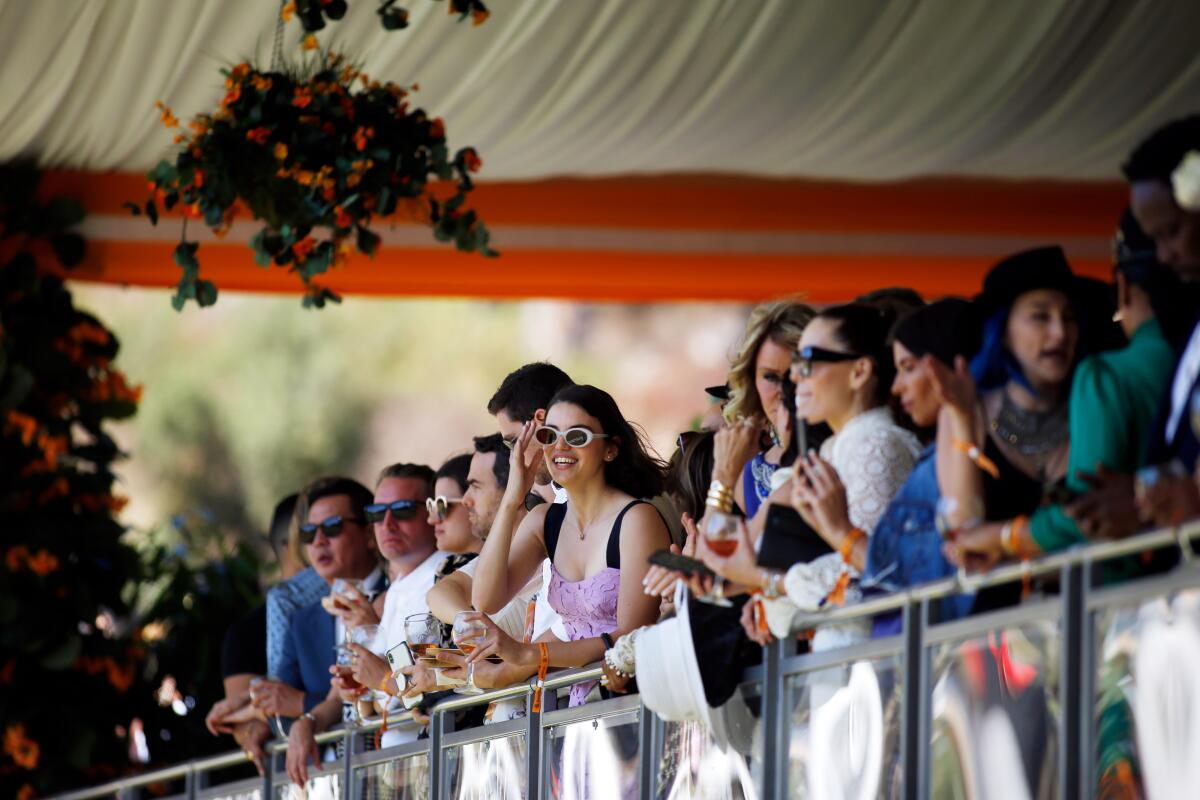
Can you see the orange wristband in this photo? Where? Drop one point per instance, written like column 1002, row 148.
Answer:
column 977, row 458
column 847, row 545
column 543, row 666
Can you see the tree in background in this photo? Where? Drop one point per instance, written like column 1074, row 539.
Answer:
column 77, row 664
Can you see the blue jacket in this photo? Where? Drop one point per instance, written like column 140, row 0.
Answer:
column 905, row 548
column 308, row 653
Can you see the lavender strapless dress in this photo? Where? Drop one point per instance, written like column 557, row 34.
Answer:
column 588, row 608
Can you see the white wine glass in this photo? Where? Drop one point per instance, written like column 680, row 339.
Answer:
column 467, row 633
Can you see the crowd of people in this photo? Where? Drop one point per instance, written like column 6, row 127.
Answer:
column 859, row 449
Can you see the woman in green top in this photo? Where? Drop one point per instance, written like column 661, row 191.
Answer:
column 1114, row 399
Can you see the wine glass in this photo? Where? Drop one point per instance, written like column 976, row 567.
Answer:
column 257, row 681
column 721, row 536
column 423, row 632
column 952, row 517
column 467, row 634
column 373, row 638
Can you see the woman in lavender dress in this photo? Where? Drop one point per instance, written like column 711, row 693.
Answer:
column 597, row 542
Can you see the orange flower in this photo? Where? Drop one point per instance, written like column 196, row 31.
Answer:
column 261, row 82
column 16, row 558
column 24, row 751
column 240, row 72
column 232, row 96
column 437, row 128
column 471, row 160
column 258, row 135
column 198, row 127
column 119, row 675
column 26, row 792
column 361, row 136
column 178, row 138
column 328, row 191
column 343, row 220
column 198, row 178
column 479, row 16
column 24, row 423
column 353, row 179
column 306, row 177
column 280, row 151
column 192, row 211
column 43, row 563
column 288, row 11
column 60, row 488
column 303, row 97
column 166, row 117
column 310, row 42
column 302, row 248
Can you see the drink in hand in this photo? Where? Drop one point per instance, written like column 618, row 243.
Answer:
column 467, row 633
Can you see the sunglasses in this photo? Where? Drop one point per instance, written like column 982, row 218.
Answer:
column 805, row 357
column 574, row 437
column 439, row 507
column 401, row 510
column 331, row 527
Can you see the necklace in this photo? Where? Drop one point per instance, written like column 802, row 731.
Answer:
column 1031, row 433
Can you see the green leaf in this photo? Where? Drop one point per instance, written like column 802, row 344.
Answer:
column 152, row 212
column 16, row 387
column 134, row 208
column 206, row 293
column 63, row 656
column 63, row 212
column 368, row 242
column 185, row 255
column 69, row 247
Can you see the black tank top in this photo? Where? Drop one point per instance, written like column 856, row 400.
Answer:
column 553, row 526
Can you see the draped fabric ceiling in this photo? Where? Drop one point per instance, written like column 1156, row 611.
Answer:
column 648, row 150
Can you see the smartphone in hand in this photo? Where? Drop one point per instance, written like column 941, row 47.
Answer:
column 678, row 563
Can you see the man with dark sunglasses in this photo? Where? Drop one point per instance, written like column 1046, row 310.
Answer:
column 337, row 542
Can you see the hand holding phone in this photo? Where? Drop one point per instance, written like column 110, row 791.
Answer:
column 680, row 563
column 399, row 657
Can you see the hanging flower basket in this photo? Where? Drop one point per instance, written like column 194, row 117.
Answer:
column 317, row 154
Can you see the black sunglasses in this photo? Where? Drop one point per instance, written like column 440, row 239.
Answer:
column 330, row 526
column 805, row 357
column 401, row 510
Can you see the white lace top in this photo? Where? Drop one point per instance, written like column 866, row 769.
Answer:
column 873, row 457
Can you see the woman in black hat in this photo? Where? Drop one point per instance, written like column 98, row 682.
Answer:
column 1113, row 400
column 1003, row 432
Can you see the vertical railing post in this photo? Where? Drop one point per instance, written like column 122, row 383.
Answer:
column 349, row 741
column 648, row 737
column 436, row 764
column 268, row 770
column 914, row 735
column 775, row 717
column 189, row 784
column 1072, row 700
column 534, row 742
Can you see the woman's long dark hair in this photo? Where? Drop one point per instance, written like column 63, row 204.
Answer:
column 636, row 470
column 863, row 329
column 690, row 472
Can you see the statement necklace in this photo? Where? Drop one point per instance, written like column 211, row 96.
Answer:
column 1031, row 433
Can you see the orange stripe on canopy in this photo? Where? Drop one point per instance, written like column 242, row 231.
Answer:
column 979, row 220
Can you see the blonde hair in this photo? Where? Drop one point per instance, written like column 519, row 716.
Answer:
column 782, row 321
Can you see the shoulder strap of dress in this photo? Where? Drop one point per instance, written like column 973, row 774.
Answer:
column 613, row 553
column 555, row 515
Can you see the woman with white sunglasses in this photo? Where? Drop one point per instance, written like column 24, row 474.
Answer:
column 598, row 542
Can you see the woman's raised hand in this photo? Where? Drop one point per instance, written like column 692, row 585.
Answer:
column 523, row 461
column 733, row 446
column 955, row 388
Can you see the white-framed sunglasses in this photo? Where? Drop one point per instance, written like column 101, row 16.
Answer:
column 574, row 437
column 439, row 506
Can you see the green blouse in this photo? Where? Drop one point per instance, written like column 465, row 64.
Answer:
column 1114, row 398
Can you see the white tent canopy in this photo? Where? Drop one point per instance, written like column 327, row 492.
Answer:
column 854, row 90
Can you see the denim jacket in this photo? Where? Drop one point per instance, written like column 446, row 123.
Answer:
column 905, row 549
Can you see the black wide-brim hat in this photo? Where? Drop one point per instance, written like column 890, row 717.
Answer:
column 1027, row 271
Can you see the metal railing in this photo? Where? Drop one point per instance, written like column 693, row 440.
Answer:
column 931, row 692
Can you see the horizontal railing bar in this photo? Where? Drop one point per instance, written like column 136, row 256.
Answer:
column 1050, row 564
column 935, row 590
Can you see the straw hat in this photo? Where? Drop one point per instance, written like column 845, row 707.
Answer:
column 846, row 739
column 668, row 674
